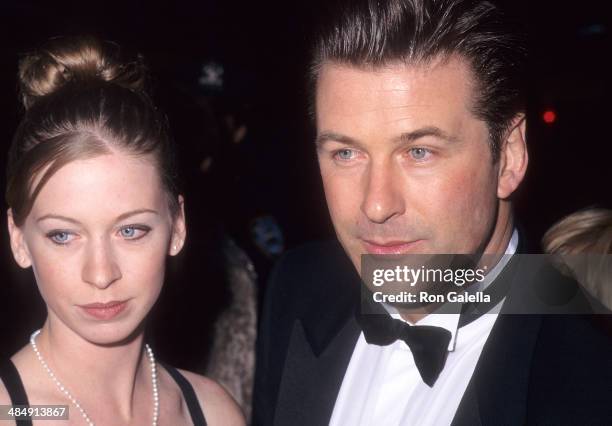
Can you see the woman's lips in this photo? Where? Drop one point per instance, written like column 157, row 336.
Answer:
column 104, row 311
column 390, row 247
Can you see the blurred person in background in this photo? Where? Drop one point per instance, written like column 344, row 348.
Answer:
column 215, row 281
column 582, row 242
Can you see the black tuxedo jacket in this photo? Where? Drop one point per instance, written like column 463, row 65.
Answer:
column 534, row 369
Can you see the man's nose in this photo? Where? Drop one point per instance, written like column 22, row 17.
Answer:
column 100, row 268
column 383, row 198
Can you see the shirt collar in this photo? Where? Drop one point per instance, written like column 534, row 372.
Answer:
column 450, row 321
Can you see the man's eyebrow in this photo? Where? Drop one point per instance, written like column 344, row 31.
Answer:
column 407, row 137
column 327, row 136
column 76, row 222
column 425, row 131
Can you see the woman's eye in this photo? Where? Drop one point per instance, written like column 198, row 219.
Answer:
column 419, row 153
column 344, row 154
column 133, row 232
column 60, row 237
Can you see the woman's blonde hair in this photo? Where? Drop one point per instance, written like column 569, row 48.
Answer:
column 581, row 245
column 586, row 231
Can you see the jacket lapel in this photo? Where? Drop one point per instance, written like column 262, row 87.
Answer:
column 497, row 392
column 311, row 380
column 322, row 341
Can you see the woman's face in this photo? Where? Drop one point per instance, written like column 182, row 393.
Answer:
column 97, row 238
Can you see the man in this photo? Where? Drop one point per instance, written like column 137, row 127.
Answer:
column 421, row 143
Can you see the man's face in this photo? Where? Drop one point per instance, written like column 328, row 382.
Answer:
column 406, row 166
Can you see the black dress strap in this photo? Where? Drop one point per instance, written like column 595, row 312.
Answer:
column 14, row 386
column 195, row 410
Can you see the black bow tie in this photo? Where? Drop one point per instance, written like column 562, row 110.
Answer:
column 428, row 344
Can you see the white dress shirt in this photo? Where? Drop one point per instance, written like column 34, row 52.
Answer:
column 383, row 387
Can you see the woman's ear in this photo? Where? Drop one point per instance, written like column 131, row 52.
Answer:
column 18, row 244
column 513, row 158
column 179, row 229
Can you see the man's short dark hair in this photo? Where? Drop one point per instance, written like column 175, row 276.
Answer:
column 379, row 32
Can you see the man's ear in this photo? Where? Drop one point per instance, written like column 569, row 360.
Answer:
column 179, row 229
column 18, row 244
column 513, row 158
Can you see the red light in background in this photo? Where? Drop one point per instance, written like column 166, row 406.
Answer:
column 549, row 116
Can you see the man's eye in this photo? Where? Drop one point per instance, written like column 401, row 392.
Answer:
column 60, row 237
column 133, row 232
column 344, row 154
column 419, row 153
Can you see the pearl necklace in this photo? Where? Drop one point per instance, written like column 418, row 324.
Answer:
column 74, row 400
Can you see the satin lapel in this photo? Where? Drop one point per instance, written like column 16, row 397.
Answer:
column 502, row 378
column 311, row 380
column 497, row 392
column 468, row 413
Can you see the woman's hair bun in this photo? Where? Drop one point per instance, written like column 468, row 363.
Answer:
column 75, row 60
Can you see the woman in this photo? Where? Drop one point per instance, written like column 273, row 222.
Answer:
column 94, row 210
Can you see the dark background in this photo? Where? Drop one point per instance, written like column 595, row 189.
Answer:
column 263, row 47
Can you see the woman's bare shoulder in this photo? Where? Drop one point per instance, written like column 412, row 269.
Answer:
column 217, row 404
